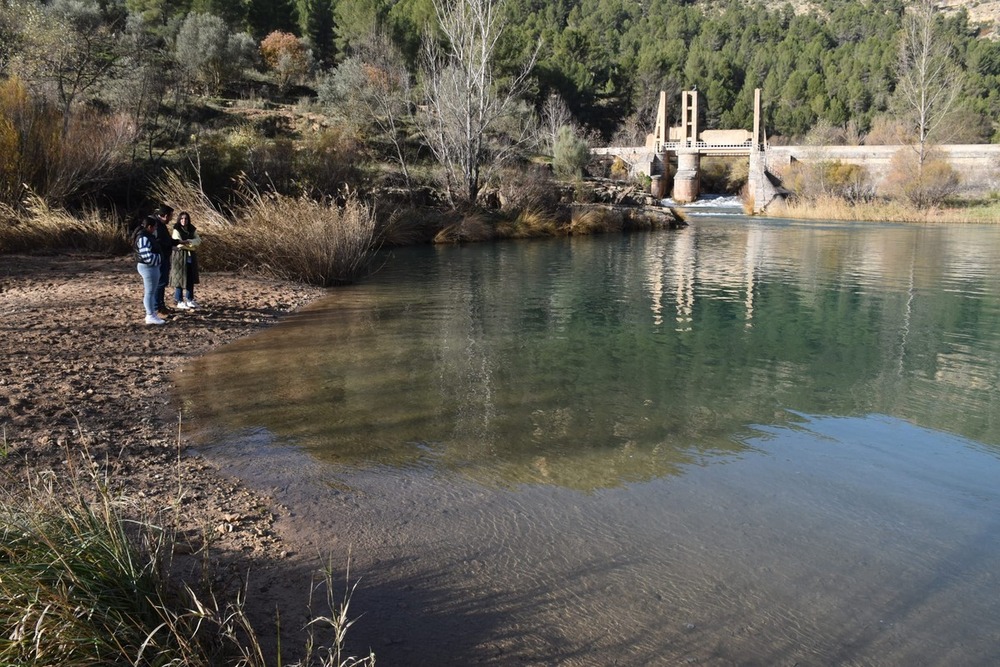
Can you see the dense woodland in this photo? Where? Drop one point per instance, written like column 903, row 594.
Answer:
column 173, row 83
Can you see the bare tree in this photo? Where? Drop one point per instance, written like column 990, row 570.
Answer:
column 929, row 80
column 464, row 101
column 373, row 87
column 555, row 115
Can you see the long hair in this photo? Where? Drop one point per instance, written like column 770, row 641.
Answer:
column 182, row 216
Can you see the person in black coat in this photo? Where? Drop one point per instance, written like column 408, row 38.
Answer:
column 166, row 243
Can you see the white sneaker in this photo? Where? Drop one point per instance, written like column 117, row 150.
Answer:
column 154, row 319
column 191, row 303
column 183, row 305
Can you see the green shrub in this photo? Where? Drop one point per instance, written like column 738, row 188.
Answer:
column 209, row 52
column 570, row 154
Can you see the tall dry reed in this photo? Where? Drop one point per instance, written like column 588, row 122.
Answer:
column 833, row 208
column 291, row 238
column 39, row 226
column 298, row 239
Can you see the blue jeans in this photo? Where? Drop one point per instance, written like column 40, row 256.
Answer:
column 150, row 282
column 179, row 293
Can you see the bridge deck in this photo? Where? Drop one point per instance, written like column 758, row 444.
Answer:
column 702, row 147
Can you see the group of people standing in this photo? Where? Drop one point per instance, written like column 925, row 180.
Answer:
column 166, row 256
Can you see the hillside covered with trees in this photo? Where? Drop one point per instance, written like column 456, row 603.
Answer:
column 99, row 97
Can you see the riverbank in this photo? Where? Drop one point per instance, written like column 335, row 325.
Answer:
column 979, row 212
column 81, row 374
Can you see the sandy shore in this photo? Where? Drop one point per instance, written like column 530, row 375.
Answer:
column 79, row 371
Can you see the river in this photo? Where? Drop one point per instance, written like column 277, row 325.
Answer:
column 750, row 441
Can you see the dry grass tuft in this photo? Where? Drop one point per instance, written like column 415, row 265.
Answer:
column 531, row 223
column 185, row 196
column 597, row 220
column 42, row 227
column 471, row 228
column 409, row 225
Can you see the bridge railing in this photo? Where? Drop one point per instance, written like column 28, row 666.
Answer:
column 704, row 145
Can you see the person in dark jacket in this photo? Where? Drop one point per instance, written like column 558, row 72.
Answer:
column 166, row 243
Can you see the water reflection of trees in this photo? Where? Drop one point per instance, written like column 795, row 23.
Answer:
column 589, row 363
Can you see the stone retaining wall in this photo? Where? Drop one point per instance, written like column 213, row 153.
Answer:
column 977, row 164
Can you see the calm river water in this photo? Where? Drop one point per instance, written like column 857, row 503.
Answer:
column 748, row 442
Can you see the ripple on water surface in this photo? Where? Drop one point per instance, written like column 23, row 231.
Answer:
column 772, row 443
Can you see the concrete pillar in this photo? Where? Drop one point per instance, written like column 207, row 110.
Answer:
column 662, row 129
column 687, row 180
column 689, row 117
column 756, row 119
column 657, row 185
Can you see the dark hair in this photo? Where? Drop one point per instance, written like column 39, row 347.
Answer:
column 164, row 210
column 150, row 220
column 184, row 214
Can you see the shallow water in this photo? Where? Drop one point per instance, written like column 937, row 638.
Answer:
column 746, row 442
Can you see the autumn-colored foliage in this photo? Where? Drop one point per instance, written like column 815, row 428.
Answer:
column 285, row 55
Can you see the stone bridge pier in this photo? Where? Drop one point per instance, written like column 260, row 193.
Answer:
column 687, row 180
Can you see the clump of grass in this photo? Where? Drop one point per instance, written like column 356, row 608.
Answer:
column 834, row 208
column 531, row 223
column 469, row 228
column 987, row 211
column 596, row 220
column 41, row 227
column 83, row 583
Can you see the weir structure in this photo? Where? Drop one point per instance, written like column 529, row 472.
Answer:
column 672, row 155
